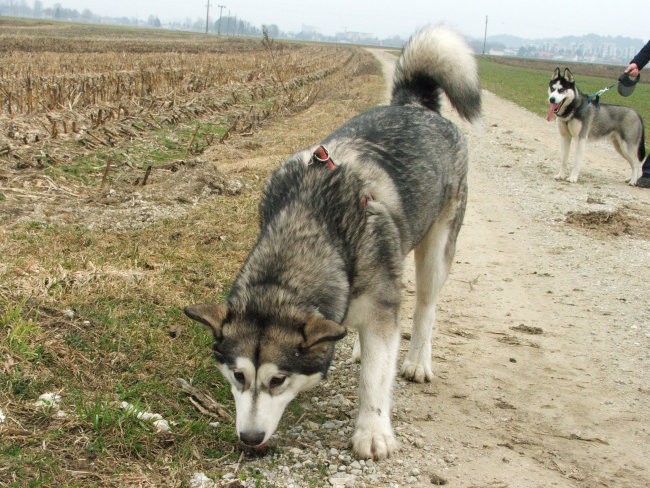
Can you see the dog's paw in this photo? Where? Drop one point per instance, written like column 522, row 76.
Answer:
column 560, row 176
column 356, row 351
column 416, row 372
column 373, row 444
column 572, row 179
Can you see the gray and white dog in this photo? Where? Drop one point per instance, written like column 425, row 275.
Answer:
column 580, row 118
column 336, row 222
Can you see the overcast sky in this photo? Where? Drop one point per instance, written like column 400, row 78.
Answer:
column 385, row 18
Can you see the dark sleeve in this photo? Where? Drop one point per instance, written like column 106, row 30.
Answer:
column 642, row 58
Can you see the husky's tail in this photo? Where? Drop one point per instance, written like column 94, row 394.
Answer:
column 641, row 150
column 434, row 59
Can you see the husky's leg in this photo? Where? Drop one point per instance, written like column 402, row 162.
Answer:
column 629, row 152
column 356, row 350
column 379, row 336
column 433, row 257
column 374, row 312
column 637, row 171
column 565, row 145
column 580, row 159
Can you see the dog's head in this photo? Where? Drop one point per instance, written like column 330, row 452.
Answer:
column 267, row 361
column 561, row 92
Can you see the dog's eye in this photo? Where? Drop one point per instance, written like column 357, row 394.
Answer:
column 239, row 377
column 277, row 381
column 560, row 90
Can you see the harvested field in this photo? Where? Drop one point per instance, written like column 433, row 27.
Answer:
column 75, row 122
column 98, row 99
column 130, row 165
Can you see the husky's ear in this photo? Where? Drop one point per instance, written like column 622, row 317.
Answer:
column 321, row 331
column 211, row 315
column 568, row 75
column 556, row 73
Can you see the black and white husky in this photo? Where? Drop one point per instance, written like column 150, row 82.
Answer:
column 580, row 118
column 336, row 222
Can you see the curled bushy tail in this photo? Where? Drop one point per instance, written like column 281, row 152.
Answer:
column 438, row 58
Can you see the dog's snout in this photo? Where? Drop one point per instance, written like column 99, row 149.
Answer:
column 551, row 99
column 252, row 438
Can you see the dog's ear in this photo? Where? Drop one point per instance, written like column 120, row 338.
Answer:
column 321, row 331
column 211, row 315
column 556, row 73
column 568, row 75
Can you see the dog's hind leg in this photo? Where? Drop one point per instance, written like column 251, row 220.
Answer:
column 629, row 151
column 637, row 170
column 433, row 257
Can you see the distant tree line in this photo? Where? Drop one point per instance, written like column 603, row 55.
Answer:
column 230, row 25
column 225, row 25
column 20, row 8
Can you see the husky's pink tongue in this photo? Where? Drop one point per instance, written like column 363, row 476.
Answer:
column 551, row 111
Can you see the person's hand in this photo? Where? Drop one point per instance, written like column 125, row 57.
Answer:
column 632, row 69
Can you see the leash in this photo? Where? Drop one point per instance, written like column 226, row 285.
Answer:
column 595, row 97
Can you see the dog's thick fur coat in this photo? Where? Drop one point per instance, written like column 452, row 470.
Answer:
column 332, row 241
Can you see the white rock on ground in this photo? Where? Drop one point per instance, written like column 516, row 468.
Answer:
column 156, row 419
column 48, row 400
column 200, row 480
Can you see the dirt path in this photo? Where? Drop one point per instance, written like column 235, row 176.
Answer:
column 541, row 353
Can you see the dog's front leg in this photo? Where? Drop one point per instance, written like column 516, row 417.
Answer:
column 379, row 340
column 580, row 158
column 565, row 146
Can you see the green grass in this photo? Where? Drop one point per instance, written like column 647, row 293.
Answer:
column 118, row 347
column 526, row 85
column 159, row 147
column 20, row 334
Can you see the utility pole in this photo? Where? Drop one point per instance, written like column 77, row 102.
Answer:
column 485, row 35
column 221, row 7
column 207, row 17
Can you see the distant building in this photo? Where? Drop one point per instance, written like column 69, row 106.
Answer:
column 354, row 37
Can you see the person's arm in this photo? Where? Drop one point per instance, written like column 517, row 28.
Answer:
column 639, row 61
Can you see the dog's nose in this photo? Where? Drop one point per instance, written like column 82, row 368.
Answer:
column 252, row 438
column 551, row 99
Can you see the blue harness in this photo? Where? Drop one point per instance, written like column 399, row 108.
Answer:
column 595, row 98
